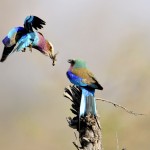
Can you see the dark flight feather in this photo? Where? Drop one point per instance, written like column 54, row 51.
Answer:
column 6, row 52
column 33, row 22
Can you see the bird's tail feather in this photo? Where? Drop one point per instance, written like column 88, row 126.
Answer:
column 82, row 105
column 88, row 104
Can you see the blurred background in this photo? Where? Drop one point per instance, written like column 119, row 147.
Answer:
column 114, row 39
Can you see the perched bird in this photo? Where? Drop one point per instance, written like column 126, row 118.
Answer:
column 16, row 33
column 80, row 76
column 36, row 40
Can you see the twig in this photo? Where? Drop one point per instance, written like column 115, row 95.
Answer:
column 117, row 105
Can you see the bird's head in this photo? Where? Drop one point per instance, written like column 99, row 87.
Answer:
column 51, row 53
column 77, row 63
column 71, row 61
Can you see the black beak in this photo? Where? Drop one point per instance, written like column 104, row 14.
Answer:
column 71, row 61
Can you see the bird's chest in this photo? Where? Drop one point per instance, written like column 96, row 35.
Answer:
column 39, row 41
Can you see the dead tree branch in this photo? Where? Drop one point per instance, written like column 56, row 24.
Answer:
column 120, row 106
column 88, row 126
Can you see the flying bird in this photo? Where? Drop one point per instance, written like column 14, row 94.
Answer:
column 16, row 33
column 37, row 41
column 80, row 76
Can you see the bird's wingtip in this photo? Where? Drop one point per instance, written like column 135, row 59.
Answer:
column 1, row 60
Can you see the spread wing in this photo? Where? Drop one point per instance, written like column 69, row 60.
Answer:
column 33, row 22
column 88, row 78
column 13, row 36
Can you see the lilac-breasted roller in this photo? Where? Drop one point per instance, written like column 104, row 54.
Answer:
column 79, row 75
column 36, row 40
column 16, row 33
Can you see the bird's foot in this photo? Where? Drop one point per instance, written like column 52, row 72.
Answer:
column 30, row 48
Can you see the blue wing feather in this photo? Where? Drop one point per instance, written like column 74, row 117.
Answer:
column 25, row 41
column 13, row 36
column 75, row 79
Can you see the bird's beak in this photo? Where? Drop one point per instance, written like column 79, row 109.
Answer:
column 71, row 61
